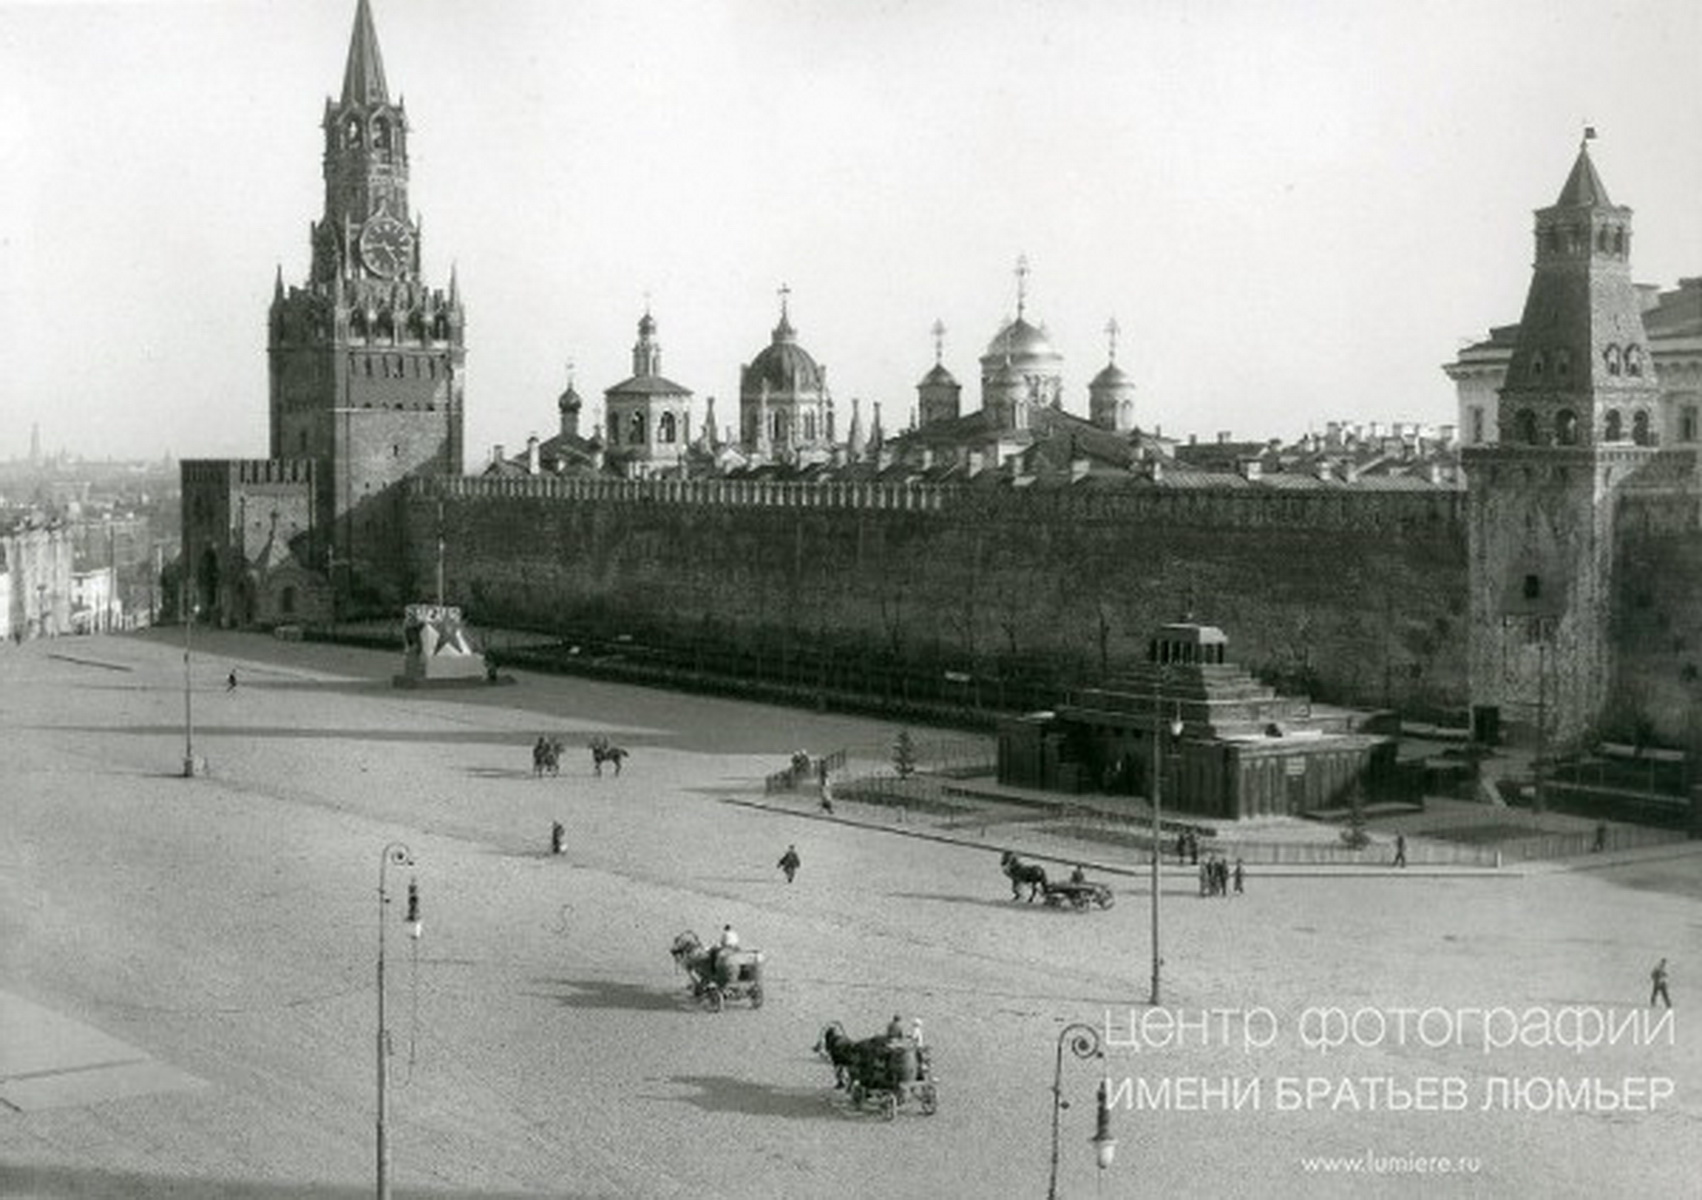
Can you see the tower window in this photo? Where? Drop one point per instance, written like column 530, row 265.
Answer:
column 1687, row 423
column 1640, row 428
column 1533, row 587
column 665, row 428
column 1613, row 426
column 381, row 135
column 1562, row 363
column 1477, row 425
column 1610, row 358
column 351, row 132
column 1619, row 240
column 1536, row 365
column 1525, row 427
column 636, row 436
column 1566, row 427
column 1633, row 360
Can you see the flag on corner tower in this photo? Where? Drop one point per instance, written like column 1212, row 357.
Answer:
column 1589, row 132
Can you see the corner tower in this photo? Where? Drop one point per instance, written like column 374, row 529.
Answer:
column 366, row 357
column 1576, row 423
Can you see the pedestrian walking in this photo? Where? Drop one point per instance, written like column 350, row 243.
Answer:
column 1658, row 980
column 790, row 862
column 1240, row 875
column 826, row 793
column 1601, row 837
column 558, row 837
column 1193, row 848
column 1181, row 848
column 1400, row 849
column 230, row 681
column 1205, row 878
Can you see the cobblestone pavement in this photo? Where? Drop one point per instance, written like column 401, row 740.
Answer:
column 187, row 966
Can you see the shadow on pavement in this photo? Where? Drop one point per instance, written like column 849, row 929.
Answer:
column 608, row 993
column 486, row 737
column 723, row 1093
column 55, row 1183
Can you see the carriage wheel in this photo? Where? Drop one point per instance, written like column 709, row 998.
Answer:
column 930, row 1099
column 1053, row 899
column 1106, row 899
column 756, row 995
column 1078, row 901
column 856, row 1094
column 889, row 1106
column 713, row 997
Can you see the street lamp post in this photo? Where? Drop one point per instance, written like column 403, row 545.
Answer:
column 188, row 707
column 398, row 853
column 1083, row 1041
column 1159, row 729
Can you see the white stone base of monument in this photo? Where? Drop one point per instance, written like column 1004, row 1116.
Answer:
column 441, row 670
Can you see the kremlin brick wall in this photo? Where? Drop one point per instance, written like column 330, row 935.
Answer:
column 1356, row 596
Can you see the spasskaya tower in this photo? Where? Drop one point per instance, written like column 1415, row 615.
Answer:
column 365, row 357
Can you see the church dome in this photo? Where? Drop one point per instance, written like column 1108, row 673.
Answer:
column 1020, row 341
column 936, row 376
column 1111, row 378
column 569, row 401
column 784, row 365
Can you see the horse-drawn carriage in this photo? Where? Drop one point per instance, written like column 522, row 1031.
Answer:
column 718, row 974
column 884, row 1072
column 1078, row 892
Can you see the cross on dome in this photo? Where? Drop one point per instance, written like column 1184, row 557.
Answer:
column 939, row 332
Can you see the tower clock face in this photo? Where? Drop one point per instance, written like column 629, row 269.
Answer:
column 386, row 246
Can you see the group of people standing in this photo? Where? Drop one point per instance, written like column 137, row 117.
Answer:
column 1216, row 876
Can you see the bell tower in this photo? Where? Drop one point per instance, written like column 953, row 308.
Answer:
column 365, row 357
column 1576, row 415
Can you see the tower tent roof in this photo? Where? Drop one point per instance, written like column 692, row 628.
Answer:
column 363, row 77
column 1583, row 186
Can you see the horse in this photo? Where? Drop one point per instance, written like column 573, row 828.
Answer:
column 546, row 757
column 1020, row 873
column 602, row 752
column 689, row 953
column 851, row 1060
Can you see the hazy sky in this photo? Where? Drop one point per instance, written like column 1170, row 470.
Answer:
column 1295, row 210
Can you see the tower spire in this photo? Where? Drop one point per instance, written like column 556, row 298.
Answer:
column 1021, row 284
column 939, row 332
column 1112, row 329
column 363, row 77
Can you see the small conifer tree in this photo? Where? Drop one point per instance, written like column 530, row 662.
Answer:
column 904, row 754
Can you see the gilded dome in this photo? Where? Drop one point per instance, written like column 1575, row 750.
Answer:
column 1021, row 342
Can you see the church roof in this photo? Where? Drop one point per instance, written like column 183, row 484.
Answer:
column 1583, row 186
column 363, row 76
column 647, row 385
column 937, row 375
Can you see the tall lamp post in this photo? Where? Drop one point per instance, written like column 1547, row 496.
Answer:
column 1083, row 1041
column 190, row 610
column 398, row 853
column 1159, row 728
